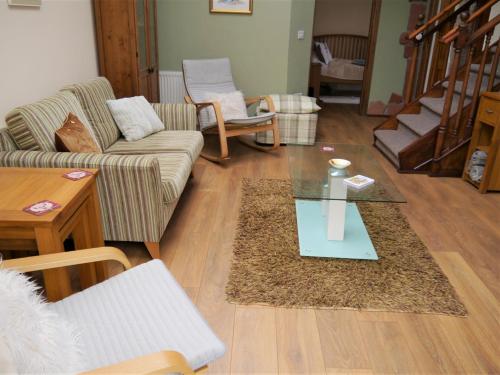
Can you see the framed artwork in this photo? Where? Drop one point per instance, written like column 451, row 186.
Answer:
column 231, row 6
column 25, row 3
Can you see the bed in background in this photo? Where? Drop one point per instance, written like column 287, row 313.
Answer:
column 343, row 62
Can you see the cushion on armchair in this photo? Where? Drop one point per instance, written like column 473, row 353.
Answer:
column 33, row 126
column 138, row 312
column 93, row 96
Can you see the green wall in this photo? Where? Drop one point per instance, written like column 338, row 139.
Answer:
column 389, row 64
column 258, row 44
column 301, row 18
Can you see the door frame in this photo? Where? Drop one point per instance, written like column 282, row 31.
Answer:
column 372, row 43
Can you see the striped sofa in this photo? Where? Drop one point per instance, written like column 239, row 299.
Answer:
column 139, row 182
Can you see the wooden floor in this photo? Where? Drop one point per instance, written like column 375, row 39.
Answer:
column 460, row 227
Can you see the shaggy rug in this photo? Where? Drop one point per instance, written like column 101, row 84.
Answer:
column 267, row 268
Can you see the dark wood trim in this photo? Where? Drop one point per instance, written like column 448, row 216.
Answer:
column 372, row 43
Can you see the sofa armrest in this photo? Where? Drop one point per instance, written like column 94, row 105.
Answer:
column 177, row 116
column 129, row 188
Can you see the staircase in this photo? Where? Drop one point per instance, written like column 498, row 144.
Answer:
column 431, row 133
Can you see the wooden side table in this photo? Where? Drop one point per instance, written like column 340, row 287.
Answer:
column 79, row 215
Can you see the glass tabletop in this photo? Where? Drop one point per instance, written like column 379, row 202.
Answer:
column 314, row 178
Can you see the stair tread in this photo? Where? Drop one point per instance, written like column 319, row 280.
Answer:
column 470, row 85
column 395, row 140
column 487, row 69
column 420, row 123
column 436, row 104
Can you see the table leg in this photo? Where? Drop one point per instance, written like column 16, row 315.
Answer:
column 336, row 219
column 57, row 282
column 96, row 234
column 82, row 239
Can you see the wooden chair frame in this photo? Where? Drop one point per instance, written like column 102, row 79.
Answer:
column 226, row 129
column 155, row 363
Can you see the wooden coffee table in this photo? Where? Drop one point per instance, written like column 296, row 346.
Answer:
column 78, row 216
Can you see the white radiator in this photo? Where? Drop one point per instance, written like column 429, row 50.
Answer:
column 172, row 88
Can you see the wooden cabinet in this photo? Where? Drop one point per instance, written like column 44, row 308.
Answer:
column 127, row 44
column 486, row 137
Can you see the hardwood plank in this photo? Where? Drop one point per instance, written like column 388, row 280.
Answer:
column 341, row 340
column 298, row 342
column 386, row 347
column 255, row 338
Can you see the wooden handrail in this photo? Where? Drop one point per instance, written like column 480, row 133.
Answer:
column 437, row 17
column 453, row 33
column 484, row 29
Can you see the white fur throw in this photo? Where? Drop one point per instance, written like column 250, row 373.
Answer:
column 39, row 341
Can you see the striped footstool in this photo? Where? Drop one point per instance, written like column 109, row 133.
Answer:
column 297, row 118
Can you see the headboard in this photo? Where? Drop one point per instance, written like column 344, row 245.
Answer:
column 345, row 46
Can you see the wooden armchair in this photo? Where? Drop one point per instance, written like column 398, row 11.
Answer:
column 164, row 356
column 214, row 75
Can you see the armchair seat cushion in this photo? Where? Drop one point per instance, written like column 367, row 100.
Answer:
column 175, row 169
column 180, row 141
column 261, row 118
column 139, row 312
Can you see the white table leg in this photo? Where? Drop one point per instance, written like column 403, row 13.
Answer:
column 336, row 208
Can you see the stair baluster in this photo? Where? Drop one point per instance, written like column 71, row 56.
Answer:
column 494, row 66
column 459, row 127
column 458, row 44
column 477, row 86
column 410, row 79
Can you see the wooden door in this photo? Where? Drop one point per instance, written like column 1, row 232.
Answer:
column 152, row 52
column 142, row 48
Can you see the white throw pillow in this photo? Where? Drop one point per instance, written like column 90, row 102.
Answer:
column 232, row 105
column 38, row 339
column 135, row 117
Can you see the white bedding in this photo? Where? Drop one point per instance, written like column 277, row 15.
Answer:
column 343, row 69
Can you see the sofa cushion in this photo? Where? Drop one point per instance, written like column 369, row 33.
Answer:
column 6, row 141
column 92, row 96
column 175, row 169
column 138, row 312
column 183, row 141
column 33, row 126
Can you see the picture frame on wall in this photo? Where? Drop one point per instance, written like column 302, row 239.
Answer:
column 231, row 6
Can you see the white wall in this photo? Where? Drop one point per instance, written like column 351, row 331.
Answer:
column 42, row 49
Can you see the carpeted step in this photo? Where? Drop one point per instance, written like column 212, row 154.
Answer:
column 420, row 123
column 471, row 84
column 487, row 69
column 388, row 153
column 436, row 104
column 395, row 140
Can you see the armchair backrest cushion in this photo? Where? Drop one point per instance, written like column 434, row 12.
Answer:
column 6, row 141
column 33, row 126
column 93, row 96
column 207, row 76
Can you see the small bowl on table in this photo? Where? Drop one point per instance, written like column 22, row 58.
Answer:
column 339, row 163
